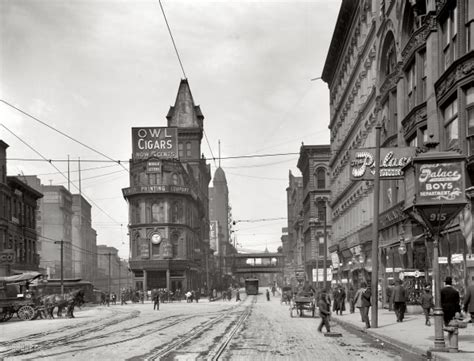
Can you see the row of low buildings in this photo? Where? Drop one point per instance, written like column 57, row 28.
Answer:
column 408, row 66
column 35, row 219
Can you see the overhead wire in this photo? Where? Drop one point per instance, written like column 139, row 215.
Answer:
column 172, row 40
column 45, row 159
column 62, row 133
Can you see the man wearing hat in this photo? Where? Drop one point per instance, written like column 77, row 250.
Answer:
column 449, row 300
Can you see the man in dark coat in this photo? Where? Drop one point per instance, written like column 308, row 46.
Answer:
column 449, row 300
column 339, row 300
column 156, row 300
column 365, row 305
column 324, row 312
column 469, row 301
column 399, row 300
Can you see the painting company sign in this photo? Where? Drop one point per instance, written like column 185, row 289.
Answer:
column 392, row 160
column 157, row 142
column 440, row 182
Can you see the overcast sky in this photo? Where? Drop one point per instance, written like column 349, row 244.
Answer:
column 95, row 69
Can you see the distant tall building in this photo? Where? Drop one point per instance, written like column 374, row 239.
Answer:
column 168, row 201
column 18, row 237
column 219, row 215
column 54, row 224
column 84, row 240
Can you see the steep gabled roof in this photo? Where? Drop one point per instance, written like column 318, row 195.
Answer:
column 184, row 114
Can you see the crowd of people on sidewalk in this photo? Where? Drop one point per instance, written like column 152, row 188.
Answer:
column 452, row 304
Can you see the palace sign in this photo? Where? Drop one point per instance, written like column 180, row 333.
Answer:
column 435, row 187
column 392, row 160
column 156, row 142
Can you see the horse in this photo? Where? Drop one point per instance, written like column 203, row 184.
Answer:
column 68, row 301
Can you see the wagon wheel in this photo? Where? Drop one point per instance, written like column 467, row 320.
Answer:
column 26, row 313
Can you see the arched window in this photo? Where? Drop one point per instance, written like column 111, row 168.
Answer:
column 180, row 150
column 320, row 178
column 175, row 179
column 175, row 244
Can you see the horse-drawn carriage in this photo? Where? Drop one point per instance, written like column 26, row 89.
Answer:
column 15, row 297
column 301, row 302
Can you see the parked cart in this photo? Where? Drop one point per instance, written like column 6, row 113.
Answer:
column 303, row 301
column 15, row 297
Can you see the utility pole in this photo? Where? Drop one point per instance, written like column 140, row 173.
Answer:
column 120, row 275
column 375, row 232
column 325, row 251
column 61, row 243
column 109, row 254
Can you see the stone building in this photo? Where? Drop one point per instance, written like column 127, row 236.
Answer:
column 314, row 227
column 169, row 206
column 19, row 242
column 292, row 244
column 408, row 66
column 219, row 215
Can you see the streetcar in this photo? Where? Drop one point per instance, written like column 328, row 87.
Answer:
column 251, row 286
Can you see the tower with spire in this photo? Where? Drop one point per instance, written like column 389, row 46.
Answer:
column 169, row 207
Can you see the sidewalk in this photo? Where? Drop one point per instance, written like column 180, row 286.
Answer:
column 411, row 334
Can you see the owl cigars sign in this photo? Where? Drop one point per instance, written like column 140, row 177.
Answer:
column 392, row 160
column 157, row 142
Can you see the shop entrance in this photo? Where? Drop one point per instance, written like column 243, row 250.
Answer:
column 156, row 279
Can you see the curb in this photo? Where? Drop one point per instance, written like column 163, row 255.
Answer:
column 435, row 356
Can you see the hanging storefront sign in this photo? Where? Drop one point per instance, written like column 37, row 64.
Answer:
column 435, row 188
column 392, row 160
column 335, row 260
column 157, row 142
column 213, row 235
column 153, row 166
column 167, row 249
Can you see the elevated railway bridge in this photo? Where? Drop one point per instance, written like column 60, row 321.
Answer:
column 267, row 267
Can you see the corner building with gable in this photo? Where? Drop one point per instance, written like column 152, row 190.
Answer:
column 169, row 207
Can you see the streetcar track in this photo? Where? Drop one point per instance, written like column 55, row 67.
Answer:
column 165, row 350
column 71, row 339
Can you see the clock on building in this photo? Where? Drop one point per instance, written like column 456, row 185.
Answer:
column 155, row 238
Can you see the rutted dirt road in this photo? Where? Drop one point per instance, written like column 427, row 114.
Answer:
column 254, row 329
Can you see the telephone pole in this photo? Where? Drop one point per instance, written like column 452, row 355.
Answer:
column 61, row 242
column 109, row 254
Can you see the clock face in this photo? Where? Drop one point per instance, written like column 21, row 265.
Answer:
column 155, row 238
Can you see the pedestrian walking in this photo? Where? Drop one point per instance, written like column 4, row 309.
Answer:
column 469, row 301
column 351, row 299
column 237, row 295
column 399, row 300
column 389, row 293
column 427, row 304
column 273, row 290
column 339, row 304
column 358, row 299
column 449, row 300
column 365, row 305
column 268, row 295
column 156, row 300
column 324, row 312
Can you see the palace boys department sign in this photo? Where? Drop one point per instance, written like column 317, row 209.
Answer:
column 435, row 186
column 392, row 160
column 157, row 142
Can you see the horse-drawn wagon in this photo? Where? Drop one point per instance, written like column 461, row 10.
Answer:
column 15, row 297
column 301, row 302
